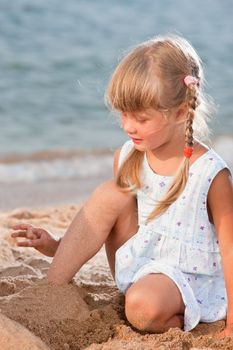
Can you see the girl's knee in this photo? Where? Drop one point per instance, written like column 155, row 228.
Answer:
column 105, row 187
column 106, row 190
column 109, row 195
column 144, row 314
column 106, row 204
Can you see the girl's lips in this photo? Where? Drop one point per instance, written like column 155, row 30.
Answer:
column 136, row 140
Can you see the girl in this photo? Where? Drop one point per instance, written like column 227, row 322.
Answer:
column 167, row 218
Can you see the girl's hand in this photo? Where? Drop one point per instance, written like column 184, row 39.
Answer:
column 227, row 332
column 37, row 238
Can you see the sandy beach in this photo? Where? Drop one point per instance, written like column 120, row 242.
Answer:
column 86, row 314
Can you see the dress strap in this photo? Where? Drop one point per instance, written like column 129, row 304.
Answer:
column 125, row 150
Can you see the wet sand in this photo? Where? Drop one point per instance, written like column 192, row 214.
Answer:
column 86, row 314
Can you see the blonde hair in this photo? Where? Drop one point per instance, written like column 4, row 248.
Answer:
column 152, row 76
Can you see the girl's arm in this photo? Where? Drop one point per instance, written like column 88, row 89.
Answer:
column 220, row 202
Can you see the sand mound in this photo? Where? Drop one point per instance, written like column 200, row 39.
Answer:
column 58, row 314
column 43, row 302
column 15, row 337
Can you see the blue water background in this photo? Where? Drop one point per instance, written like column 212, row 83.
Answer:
column 56, row 58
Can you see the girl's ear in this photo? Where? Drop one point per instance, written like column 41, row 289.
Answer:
column 181, row 112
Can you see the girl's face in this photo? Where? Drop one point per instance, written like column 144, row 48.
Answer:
column 150, row 129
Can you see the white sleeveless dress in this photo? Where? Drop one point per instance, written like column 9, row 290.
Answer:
column 181, row 243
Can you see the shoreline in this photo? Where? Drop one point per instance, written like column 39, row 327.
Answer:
column 48, row 193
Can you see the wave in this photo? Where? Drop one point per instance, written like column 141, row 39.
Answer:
column 77, row 164
column 56, row 165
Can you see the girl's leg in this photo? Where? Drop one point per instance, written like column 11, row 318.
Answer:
column 89, row 230
column 154, row 304
column 124, row 228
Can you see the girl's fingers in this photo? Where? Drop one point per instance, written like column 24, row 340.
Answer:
column 24, row 234
column 35, row 243
column 21, row 227
column 25, row 244
column 19, row 234
column 27, row 231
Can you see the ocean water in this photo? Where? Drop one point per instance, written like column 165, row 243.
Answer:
column 55, row 62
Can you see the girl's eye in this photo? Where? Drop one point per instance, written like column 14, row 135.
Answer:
column 141, row 120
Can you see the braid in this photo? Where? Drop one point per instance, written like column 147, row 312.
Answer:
column 191, row 98
column 180, row 179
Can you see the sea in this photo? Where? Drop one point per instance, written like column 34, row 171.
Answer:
column 56, row 57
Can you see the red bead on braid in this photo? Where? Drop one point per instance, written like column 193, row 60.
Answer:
column 188, row 151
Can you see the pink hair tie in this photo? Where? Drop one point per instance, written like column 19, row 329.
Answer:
column 189, row 79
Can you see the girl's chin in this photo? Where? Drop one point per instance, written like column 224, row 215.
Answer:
column 140, row 147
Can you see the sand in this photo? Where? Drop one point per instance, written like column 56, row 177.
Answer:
column 86, row 314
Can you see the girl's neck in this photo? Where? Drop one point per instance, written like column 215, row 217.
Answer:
column 167, row 151
column 166, row 160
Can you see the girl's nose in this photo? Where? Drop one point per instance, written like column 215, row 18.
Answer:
column 128, row 125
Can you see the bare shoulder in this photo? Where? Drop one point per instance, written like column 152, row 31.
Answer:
column 222, row 184
column 116, row 161
column 220, row 196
